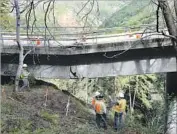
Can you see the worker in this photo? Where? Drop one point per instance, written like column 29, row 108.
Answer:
column 94, row 98
column 100, row 109
column 24, row 77
column 119, row 111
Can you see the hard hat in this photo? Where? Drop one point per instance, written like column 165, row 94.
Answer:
column 24, row 65
column 121, row 95
column 100, row 97
column 97, row 93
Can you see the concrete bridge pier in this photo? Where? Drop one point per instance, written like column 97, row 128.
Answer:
column 171, row 85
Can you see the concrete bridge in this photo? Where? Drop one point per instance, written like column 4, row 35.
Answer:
column 96, row 56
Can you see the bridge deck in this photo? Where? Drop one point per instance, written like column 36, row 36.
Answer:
column 94, row 44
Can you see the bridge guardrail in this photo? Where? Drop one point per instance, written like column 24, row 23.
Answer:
column 91, row 36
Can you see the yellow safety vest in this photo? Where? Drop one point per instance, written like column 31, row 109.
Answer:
column 121, row 107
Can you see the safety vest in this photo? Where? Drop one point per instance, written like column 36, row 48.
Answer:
column 121, row 107
column 24, row 74
column 99, row 107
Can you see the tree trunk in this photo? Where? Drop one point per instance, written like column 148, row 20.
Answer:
column 19, row 45
column 166, row 106
column 130, row 98
column 175, row 5
column 168, row 18
column 136, row 88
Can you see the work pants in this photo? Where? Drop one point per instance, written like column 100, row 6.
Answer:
column 25, row 84
column 101, row 120
column 118, row 123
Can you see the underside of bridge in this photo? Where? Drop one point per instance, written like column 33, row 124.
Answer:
column 130, row 62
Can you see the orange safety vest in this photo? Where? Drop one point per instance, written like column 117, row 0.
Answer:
column 99, row 107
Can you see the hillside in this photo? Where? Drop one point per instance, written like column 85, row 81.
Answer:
column 104, row 14
column 135, row 13
column 66, row 13
column 25, row 113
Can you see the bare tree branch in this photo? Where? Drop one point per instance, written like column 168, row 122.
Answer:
column 26, row 54
column 45, row 20
column 157, row 14
column 83, row 7
column 92, row 5
column 175, row 5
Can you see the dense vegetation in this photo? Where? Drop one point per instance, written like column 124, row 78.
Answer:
column 136, row 13
column 7, row 22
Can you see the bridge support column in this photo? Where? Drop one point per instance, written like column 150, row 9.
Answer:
column 171, row 85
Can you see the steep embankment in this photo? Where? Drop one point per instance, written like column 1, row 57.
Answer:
column 31, row 113
column 26, row 112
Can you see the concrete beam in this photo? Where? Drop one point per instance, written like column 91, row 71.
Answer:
column 69, row 48
column 145, row 66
